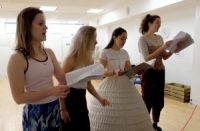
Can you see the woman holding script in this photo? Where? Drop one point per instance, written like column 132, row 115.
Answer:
column 30, row 71
column 74, row 110
column 152, row 47
column 127, row 111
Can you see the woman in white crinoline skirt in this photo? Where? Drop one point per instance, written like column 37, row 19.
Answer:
column 127, row 111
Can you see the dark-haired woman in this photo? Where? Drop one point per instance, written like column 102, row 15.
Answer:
column 127, row 111
column 152, row 47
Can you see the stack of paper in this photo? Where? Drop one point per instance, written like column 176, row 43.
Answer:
column 90, row 72
column 180, row 42
column 137, row 69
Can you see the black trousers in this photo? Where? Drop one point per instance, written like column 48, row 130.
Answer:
column 153, row 82
column 77, row 108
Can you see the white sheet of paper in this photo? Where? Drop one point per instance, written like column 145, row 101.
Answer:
column 90, row 72
column 186, row 40
column 151, row 62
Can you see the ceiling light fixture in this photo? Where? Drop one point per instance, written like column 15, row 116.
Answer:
column 48, row 8
column 94, row 11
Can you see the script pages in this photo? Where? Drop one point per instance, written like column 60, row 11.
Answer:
column 90, row 72
column 180, row 42
column 137, row 69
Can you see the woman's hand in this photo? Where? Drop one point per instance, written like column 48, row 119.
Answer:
column 104, row 102
column 65, row 115
column 60, row 91
column 167, row 44
column 119, row 72
column 178, row 46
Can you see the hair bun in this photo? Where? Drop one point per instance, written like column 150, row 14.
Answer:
column 148, row 16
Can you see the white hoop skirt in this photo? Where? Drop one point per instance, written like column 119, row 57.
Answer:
column 127, row 111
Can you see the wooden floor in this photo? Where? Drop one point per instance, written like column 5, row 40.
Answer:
column 176, row 116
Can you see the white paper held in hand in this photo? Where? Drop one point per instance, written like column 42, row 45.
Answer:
column 180, row 42
column 94, row 71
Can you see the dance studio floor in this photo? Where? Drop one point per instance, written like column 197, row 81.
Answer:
column 176, row 116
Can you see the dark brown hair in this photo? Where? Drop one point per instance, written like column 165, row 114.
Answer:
column 117, row 32
column 23, row 30
column 144, row 27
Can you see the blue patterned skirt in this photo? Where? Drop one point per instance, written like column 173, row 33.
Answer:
column 42, row 117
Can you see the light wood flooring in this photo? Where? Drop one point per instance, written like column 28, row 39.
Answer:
column 176, row 116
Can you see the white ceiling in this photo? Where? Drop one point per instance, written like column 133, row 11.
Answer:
column 67, row 9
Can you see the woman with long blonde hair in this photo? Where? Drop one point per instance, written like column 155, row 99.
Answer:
column 74, row 107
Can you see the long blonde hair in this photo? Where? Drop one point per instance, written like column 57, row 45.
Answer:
column 23, row 30
column 82, row 46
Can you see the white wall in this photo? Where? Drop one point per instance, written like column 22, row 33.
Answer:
column 131, row 8
column 56, row 44
column 5, row 54
column 6, row 45
column 196, row 60
column 179, row 66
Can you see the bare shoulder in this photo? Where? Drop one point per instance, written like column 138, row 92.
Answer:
column 69, row 64
column 69, row 60
column 49, row 51
column 51, row 54
column 17, row 61
column 17, row 57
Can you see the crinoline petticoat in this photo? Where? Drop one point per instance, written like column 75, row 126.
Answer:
column 126, row 112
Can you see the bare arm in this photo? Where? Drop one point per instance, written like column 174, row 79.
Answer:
column 67, row 67
column 161, row 50
column 166, row 55
column 92, row 91
column 58, row 72
column 106, row 73
column 103, row 62
column 15, row 71
column 155, row 54
column 60, row 76
column 143, row 47
column 128, row 65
